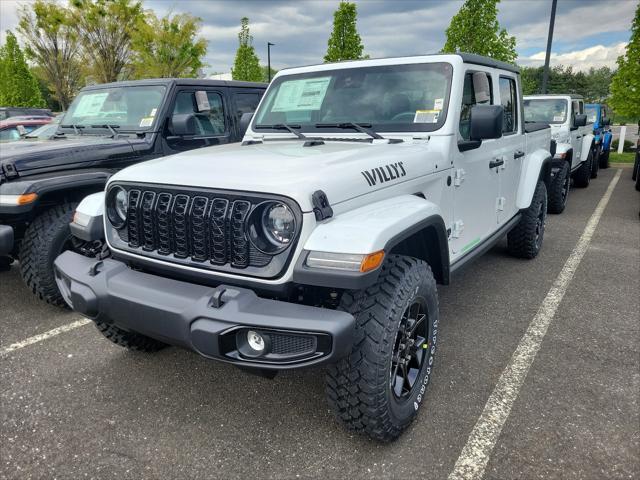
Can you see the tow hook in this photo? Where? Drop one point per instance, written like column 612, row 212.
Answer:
column 216, row 298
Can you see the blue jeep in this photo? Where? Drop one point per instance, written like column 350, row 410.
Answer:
column 599, row 115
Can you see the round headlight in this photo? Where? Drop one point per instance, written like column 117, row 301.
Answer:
column 117, row 206
column 279, row 224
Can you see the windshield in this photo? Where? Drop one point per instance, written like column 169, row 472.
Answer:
column 129, row 108
column 545, row 110
column 592, row 113
column 394, row 98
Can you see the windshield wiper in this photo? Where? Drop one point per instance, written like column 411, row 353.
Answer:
column 360, row 127
column 285, row 126
column 75, row 127
column 112, row 128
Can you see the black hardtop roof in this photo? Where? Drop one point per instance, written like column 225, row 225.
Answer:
column 190, row 82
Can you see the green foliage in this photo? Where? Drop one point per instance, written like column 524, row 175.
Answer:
column 625, row 87
column 105, row 29
column 345, row 42
column 52, row 43
column 475, row 29
column 18, row 87
column 265, row 73
column 629, row 146
column 593, row 85
column 246, row 65
column 168, row 47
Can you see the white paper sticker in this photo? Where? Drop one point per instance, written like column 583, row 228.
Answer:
column 146, row 122
column 153, row 112
column 558, row 118
column 426, row 116
column 90, row 104
column 438, row 104
column 298, row 95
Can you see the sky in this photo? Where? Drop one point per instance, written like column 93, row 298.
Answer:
column 588, row 33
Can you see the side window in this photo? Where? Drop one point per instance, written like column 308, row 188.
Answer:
column 577, row 107
column 603, row 114
column 477, row 90
column 509, row 101
column 246, row 103
column 209, row 123
column 9, row 134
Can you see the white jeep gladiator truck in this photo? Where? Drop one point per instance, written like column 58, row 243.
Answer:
column 320, row 239
column 574, row 143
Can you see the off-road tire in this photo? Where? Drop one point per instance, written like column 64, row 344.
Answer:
column 43, row 241
column 604, row 159
column 5, row 264
column 525, row 239
column 359, row 387
column 636, row 167
column 582, row 177
column 559, row 189
column 595, row 160
column 131, row 340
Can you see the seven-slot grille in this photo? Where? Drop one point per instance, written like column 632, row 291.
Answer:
column 201, row 227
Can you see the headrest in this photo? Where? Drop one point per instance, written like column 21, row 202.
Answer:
column 481, row 87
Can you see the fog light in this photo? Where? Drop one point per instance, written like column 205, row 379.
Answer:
column 255, row 341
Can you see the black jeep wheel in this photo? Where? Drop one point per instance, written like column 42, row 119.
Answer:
column 582, row 177
column 525, row 239
column 559, row 189
column 5, row 263
column 595, row 160
column 604, row 159
column 131, row 340
column 377, row 390
column 46, row 238
column 636, row 167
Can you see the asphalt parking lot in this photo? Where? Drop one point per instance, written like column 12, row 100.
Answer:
column 75, row 406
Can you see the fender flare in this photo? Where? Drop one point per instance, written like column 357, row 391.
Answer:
column 88, row 222
column 536, row 168
column 587, row 142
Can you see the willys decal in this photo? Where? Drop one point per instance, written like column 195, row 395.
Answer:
column 384, row 174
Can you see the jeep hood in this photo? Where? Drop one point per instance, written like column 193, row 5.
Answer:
column 343, row 170
column 62, row 153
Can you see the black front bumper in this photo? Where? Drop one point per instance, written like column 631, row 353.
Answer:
column 210, row 321
column 6, row 240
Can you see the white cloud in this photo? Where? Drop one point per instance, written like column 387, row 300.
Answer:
column 597, row 56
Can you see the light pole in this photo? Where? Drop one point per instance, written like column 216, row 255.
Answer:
column 552, row 21
column 269, row 45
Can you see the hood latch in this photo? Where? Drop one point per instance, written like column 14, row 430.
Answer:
column 10, row 171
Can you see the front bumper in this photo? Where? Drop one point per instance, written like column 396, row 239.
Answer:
column 210, row 321
column 6, row 240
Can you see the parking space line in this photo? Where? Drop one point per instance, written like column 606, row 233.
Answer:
column 43, row 336
column 475, row 455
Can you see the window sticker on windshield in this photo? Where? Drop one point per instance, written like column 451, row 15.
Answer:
column 558, row 118
column 298, row 95
column 438, row 103
column 153, row 112
column 426, row 116
column 146, row 122
column 90, row 104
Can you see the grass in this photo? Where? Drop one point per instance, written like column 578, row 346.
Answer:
column 624, row 157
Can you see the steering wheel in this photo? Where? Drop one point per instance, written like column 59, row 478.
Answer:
column 403, row 114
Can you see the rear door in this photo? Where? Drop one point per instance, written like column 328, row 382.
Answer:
column 511, row 147
column 577, row 108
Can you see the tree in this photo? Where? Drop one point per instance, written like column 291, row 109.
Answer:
column 625, row 86
column 246, row 65
column 345, row 42
column 105, row 29
column 265, row 73
column 475, row 29
column 52, row 43
column 168, row 47
column 18, row 87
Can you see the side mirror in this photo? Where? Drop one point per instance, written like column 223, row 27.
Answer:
column 580, row 120
column 486, row 122
column 606, row 122
column 184, row 125
column 202, row 101
column 245, row 120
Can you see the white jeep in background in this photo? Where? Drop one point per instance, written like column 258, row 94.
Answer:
column 574, row 151
column 320, row 240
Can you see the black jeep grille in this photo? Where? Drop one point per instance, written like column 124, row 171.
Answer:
column 201, row 227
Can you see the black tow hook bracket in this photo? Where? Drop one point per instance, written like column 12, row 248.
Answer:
column 95, row 268
column 216, row 298
column 321, row 207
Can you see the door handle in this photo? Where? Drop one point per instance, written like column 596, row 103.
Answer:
column 518, row 154
column 496, row 163
column 579, row 136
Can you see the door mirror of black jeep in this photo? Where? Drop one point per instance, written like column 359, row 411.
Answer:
column 184, row 124
column 606, row 122
column 486, row 122
column 580, row 120
column 202, row 101
column 245, row 120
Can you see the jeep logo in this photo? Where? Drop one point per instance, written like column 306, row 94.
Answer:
column 384, row 174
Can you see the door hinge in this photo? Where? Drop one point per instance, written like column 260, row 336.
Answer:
column 500, row 203
column 458, row 227
column 458, row 177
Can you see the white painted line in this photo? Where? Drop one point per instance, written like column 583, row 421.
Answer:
column 43, row 336
column 475, row 455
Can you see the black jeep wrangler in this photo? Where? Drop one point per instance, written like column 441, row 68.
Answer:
column 106, row 128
